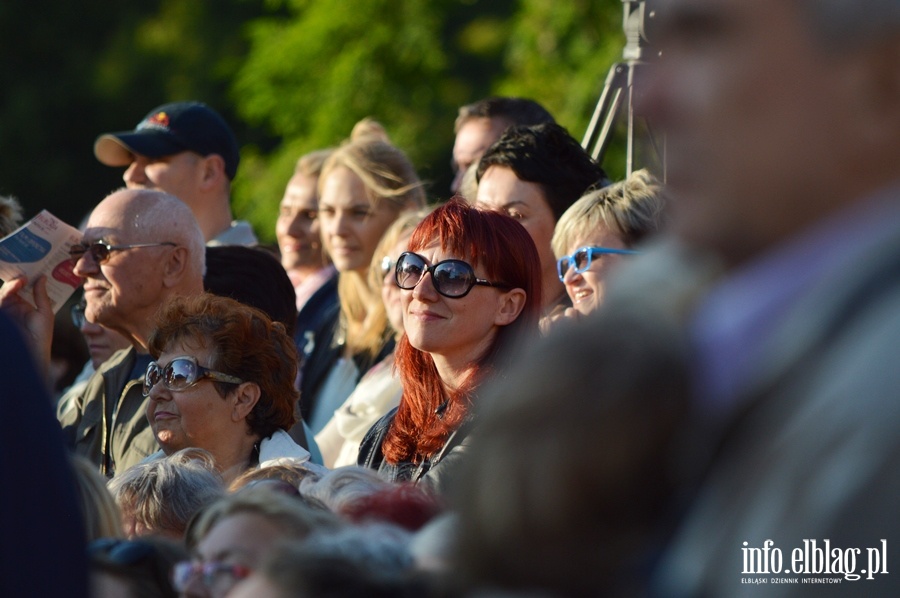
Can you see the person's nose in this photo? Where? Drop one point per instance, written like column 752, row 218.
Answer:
column 425, row 291
column 159, row 392
column 340, row 224
column 295, row 227
column 85, row 265
column 135, row 175
column 572, row 276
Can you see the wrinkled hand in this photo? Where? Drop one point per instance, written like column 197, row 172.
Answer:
column 559, row 314
column 36, row 322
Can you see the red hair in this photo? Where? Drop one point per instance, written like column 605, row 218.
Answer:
column 405, row 505
column 428, row 413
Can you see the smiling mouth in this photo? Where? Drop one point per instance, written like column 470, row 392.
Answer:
column 426, row 315
column 581, row 295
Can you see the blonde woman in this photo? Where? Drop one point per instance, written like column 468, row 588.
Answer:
column 365, row 185
column 600, row 230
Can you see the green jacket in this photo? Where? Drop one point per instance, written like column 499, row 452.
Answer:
column 107, row 422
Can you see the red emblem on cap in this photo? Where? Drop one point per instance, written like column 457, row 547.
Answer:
column 160, row 119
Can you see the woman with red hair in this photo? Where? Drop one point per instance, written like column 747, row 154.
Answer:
column 470, row 291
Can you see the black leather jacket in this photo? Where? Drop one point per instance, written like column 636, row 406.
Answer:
column 435, row 472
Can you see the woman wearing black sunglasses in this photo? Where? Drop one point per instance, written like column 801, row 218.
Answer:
column 470, row 291
column 222, row 380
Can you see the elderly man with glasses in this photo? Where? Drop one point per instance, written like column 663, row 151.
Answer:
column 140, row 248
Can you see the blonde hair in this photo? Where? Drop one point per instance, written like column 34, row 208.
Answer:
column 311, row 164
column 389, row 177
column 102, row 518
column 631, row 208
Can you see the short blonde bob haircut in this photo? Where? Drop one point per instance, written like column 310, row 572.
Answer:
column 632, row 209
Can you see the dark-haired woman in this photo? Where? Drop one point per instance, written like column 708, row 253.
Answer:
column 470, row 290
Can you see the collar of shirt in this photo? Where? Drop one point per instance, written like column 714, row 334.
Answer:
column 312, row 283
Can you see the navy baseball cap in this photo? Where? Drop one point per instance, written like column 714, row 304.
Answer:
column 172, row 129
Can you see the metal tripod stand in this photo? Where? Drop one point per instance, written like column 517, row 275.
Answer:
column 617, row 98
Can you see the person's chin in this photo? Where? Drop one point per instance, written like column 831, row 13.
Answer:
column 585, row 308
column 347, row 263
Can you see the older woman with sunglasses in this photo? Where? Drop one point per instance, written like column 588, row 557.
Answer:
column 470, row 291
column 222, row 380
column 596, row 231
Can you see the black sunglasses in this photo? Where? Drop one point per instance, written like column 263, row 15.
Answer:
column 100, row 250
column 451, row 278
column 182, row 373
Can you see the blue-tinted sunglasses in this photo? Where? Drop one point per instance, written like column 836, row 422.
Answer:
column 581, row 259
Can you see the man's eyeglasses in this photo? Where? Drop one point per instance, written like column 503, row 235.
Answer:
column 581, row 259
column 215, row 576
column 100, row 250
column 182, row 373
column 78, row 314
column 451, row 278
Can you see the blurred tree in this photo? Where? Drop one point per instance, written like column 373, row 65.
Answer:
column 560, row 53
column 73, row 70
column 316, row 68
column 289, row 75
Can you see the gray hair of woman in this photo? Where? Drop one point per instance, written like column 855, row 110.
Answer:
column 161, row 496
column 342, row 486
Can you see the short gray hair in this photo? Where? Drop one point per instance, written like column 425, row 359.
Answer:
column 343, row 486
column 162, row 495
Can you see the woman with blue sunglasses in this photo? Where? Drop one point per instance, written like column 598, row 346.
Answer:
column 470, row 291
column 595, row 234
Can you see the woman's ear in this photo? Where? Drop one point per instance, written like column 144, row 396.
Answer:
column 244, row 398
column 511, row 304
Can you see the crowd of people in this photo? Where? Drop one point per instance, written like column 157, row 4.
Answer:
column 542, row 382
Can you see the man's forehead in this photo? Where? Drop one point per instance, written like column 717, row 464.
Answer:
column 104, row 233
column 478, row 134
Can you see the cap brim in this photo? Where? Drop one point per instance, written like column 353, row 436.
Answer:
column 118, row 149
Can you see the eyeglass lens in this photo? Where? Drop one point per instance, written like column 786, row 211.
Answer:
column 452, row 278
column 99, row 251
column 177, row 375
column 582, row 259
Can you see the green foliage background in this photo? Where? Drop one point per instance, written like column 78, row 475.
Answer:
column 290, row 75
